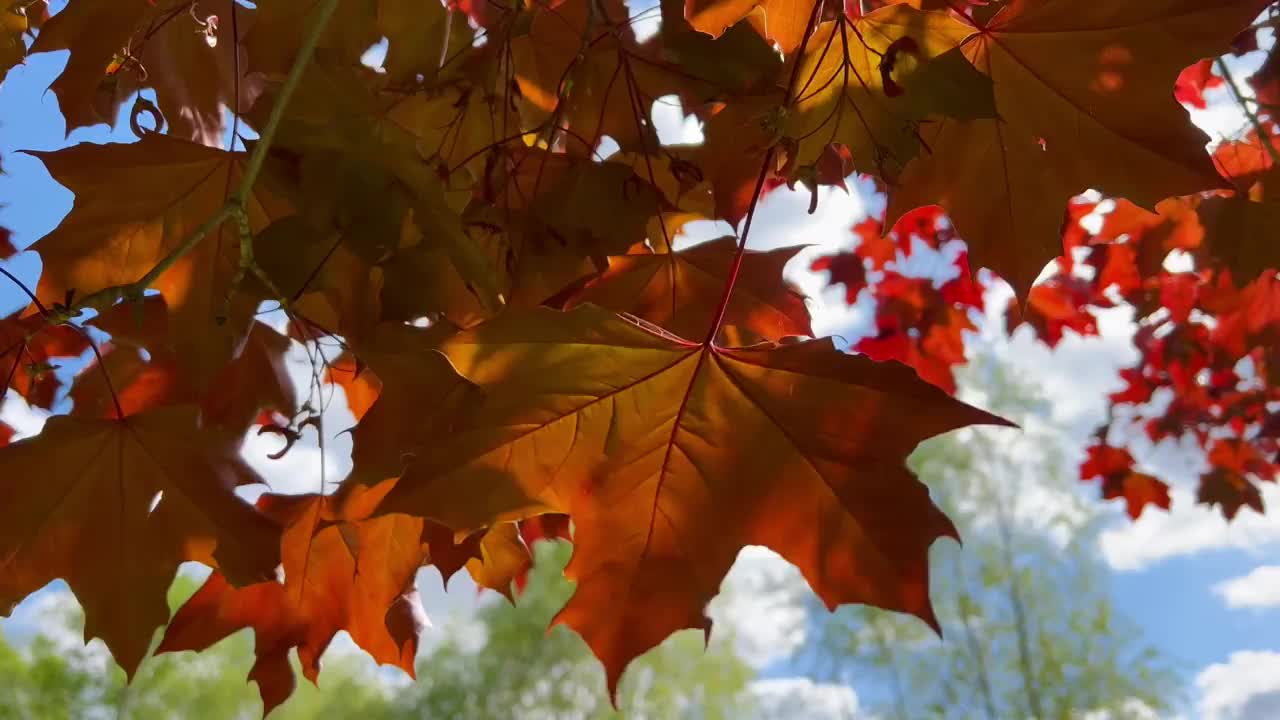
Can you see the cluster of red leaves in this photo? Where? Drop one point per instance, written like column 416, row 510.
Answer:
column 917, row 322
column 1209, row 351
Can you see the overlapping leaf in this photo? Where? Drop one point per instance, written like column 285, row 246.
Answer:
column 139, row 371
column 118, row 231
column 553, row 219
column 30, row 352
column 13, row 24
column 680, row 291
column 1084, row 96
column 186, row 54
column 419, row 398
column 113, row 507
column 869, row 85
column 780, row 21
column 671, row 457
column 343, row 571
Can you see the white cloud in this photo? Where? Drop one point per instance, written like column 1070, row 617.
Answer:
column 799, row 697
column 761, row 604
column 1258, row 589
column 1189, row 528
column 1131, row 709
column 1246, row 687
column 25, row 420
column 1076, row 375
column 304, row 468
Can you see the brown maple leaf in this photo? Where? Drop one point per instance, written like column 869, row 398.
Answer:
column 780, row 21
column 417, row 404
column 870, row 84
column 30, row 351
column 343, row 571
column 1119, row 480
column 134, row 205
column 140, row 371
column 187, row 55
column 672, row 456
column 680, row 291
column 1085, row 100
column 13, row 25
column 114, row 506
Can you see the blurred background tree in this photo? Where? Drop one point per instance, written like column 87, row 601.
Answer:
column 526, row 671
column 1030, row 631
column 503, row 664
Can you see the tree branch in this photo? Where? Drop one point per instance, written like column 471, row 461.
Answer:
column 318, row 23
column 236, row 206
column 1264, row 138
column 787, row 99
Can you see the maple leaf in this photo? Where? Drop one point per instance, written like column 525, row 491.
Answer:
column 738, row 135
column 414, row 29
column 113, row 507
column 1229, row 484
column 7, row 249
column 1241, row 234
column 13, row 25
column 419, row 398
column 139, row 371
column 1119, row 480
column 416, row 35
column 1194, row 80
column 630, row 432
column 118, row 231
column 360, row 386
column 343, row 571
column 579, row 66
column 30, row 350
column 1249, row 165
column 557, row 217
column 337, row 112
column 738, row 62
column 780, row 21
column 846, row 269
column 504, row 560
column 331, row 289
column 550, row 526
column 118, row 48
column 1083, row 95
column 871, row 83
column 680, row 291
column 95, row 31
column 279, row 31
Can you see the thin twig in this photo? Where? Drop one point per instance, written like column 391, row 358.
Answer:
column 1264, row 138
column 106, row 297
column 448, row 30
column 765, row 167
column 235, row 72
column 237, row 205
column 39, row 305
column 318, row 23
column 106, row 376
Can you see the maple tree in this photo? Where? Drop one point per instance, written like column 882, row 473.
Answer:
column 477, row 242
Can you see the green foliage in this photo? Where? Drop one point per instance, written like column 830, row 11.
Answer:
column 504, row 663
column 524, row 670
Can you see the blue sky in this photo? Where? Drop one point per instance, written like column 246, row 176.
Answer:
column 1168, row 568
